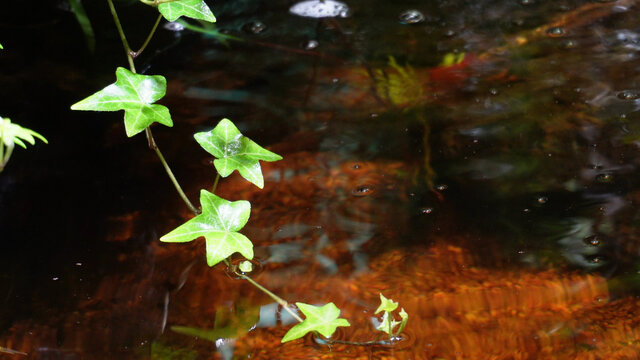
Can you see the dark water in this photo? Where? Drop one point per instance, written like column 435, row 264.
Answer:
column 494, row 195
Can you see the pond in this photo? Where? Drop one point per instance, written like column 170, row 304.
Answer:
column 476, row 161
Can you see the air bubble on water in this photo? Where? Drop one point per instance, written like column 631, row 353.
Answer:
column 449, row 33
column 604, row 178
column 362, row 190
column 411, row 17
column 556, row 31
column 593, row 240
column 526, row 2
column 320, row 9
column 173, row 26
column 355, row 166
column 311, row 44
column 542, row 200
column 493, row 91
column 254, row 27
column 628, row 95
column 441, row 187
column 426, row 210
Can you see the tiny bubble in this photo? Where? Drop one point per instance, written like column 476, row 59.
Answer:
column 426, row 210
column 555, row 31
column 628, row 95
column 593, row 240
column 55, row 278
column 310, row 45
column 493, row 91
column 356, row 166
column 604, row 178
column 442, row 187
column 542, row 200
column 411, row 17
column 525, row 210
column 362, row 190
column 335, row 80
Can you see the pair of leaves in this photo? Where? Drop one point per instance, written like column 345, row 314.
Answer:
column 195, row 9
column 323, row 319
column 234, row 151
column 388, row 323
column 218, row 223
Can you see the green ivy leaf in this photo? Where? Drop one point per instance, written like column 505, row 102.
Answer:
column 219, row 223
column 1, row 46
column 387, row 324
column 135, row 94
column 323, row 319
column 195, row 9
column 11, row 133
column 386, row 304
column 235, row 151
column 405, row 318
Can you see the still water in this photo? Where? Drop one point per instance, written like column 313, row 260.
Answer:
column 476, row 161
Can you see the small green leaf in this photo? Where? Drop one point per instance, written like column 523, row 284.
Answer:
column 1, row 46
column 387, row 324
column 11, row 133
column 219, row 223
column 403, row 324
column 235, row 151
column 323, row 319
column 386, row 304
column 246, row 266
column 195, row 9
column 135, row 94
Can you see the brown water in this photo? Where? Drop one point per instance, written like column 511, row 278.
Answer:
column 496, row 199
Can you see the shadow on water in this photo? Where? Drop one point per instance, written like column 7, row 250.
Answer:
column 475, row 161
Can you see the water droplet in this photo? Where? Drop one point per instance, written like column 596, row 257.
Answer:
column 426, row 210
column 542, row 200
column 362, row 190
column 628, row 95
column 356, row 166
column 310, row 45
column 411, row 17
column 604, row 178
column 555, row 31
column 254, row 27
column 174, row 26
column 442, row 187
column 593, row 240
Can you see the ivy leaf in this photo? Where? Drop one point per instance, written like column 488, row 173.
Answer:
column 195, row 9
column 135, row 94
column 405, row 318
column 235, row 151
column 219, row 223
column 386, row 304
column 387, row 324
column 1, row 46
column 11, row 133
column 323, row 319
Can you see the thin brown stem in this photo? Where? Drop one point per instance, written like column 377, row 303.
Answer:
column 215, row 183
column 153, row 146
column 146, row 42
column 279, row 300
column 123, row 37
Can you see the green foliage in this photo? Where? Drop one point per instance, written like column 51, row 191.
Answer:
column 135, row 94
column 195, row 9
column 11, row 134
column 1, row 46
column 388, row 323
column 323, row 319
column 235, row 151
column 227, row 324
column 219, row 223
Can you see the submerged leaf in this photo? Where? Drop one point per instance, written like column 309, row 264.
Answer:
column 235, row 151
column 219, row 223
column 135, row 94
column 195, row 9
column 323, row 319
